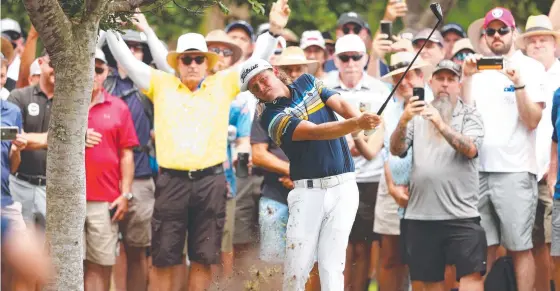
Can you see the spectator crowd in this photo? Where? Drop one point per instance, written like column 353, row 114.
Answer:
column 256, row 160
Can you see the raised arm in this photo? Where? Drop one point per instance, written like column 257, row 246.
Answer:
column 341, row 107
column 139, row 72
column 157, row 49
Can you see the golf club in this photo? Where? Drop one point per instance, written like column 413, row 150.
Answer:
column 436, row 9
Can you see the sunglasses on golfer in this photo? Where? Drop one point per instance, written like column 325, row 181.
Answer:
column 502, row 31
column 356, row 29
column 346, row 58
column 187, row 60
column 225, row 52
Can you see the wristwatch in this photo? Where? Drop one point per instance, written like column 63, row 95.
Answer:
column 128, row 196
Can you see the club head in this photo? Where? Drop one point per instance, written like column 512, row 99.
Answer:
column 436, row 9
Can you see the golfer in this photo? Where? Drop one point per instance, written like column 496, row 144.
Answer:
column 300, row 118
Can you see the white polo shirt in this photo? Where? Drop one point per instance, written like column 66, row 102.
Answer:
column 544, row 130
column 372, row 91
column 509, row 146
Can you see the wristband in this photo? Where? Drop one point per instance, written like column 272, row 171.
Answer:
column 519, row 88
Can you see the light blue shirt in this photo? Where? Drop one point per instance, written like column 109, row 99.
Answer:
column 400, row 167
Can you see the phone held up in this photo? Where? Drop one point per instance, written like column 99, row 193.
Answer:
column 9, row 132
column 418, row 91
column 490, row 63
column 386, row 27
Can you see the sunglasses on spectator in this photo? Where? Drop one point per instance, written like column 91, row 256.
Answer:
column 356, row 29
column 187, row 60
column 13, row 35
column 278, row 52
column 225, row 52
column 502, row 31
column 461, row 56
column 346, row 58
column 99, row 70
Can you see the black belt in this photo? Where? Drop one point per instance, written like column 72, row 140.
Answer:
column 196, row 175
column 35, row 180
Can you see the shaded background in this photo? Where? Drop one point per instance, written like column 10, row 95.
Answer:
column 172, row 19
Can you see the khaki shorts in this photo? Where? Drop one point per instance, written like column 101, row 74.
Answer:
column 387, row 221
column 542, row 230
column 136, row 227
column 100, row 234
column 227, row 237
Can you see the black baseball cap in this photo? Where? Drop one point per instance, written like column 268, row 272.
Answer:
column 448, row 65
column 243, row 25
column 350, row 17
column 453, row 27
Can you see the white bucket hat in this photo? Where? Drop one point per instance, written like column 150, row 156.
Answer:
column 250, row 69
column 191, row 43
column 537, row 25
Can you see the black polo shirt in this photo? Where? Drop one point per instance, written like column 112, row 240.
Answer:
column 36, row 112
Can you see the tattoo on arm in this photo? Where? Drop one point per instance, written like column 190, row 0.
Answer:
column 463, row 144
column 400, row 141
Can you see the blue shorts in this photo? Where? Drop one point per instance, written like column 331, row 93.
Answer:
column 273, row 218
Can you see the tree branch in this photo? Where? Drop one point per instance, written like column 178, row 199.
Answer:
column 128, row 5
column 54, row 27
column 95, row 9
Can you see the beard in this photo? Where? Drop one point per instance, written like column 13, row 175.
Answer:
column 502, row 50
column 445, row 108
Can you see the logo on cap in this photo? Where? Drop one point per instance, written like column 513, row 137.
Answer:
column 247, row 71
column 497, row 13
column 352, row 14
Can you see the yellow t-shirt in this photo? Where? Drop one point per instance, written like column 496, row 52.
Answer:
column 191, row 128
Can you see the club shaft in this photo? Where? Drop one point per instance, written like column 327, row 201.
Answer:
column 406, row 71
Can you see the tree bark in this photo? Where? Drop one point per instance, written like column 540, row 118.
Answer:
column 71, row 47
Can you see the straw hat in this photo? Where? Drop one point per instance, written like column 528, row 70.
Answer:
column 462, row 44
column 191, row 43
column 475, row 33
column 400, row 61
column 7, row 50
column 294, row 55
column 537, row 25
column 220, row 37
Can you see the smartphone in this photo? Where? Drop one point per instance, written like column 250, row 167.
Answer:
column 9, row 132
column 490, row 63
column 112, row 212
column 387, row 28
column 418, row 91
column 242, row 168
column 365, row 107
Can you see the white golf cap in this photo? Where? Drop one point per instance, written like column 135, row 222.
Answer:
column 311, row 38
column 8, row 24
column 349, row 43
column 35, row 68
column 251, row 68
column 99, row 55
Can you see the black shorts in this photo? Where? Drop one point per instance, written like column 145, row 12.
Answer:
column 362, row 229
column 197, row 206
column 431, row 245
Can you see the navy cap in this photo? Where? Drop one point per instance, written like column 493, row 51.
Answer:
column 350, row 17
column 243, row 25
column 453, row 27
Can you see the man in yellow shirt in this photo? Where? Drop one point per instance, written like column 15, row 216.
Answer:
column 191, row 125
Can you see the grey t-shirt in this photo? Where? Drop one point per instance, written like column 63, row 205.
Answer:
column 443, row 182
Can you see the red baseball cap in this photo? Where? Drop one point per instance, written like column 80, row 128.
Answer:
column 501, row 14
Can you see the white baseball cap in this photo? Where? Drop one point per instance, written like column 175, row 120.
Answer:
column 251, row 68
column 99, row 55
column 35, row 68
column 349, row 43
column 8, row 24
column 311, row 38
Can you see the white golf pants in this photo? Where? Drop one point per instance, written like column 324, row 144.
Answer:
column 318, row 227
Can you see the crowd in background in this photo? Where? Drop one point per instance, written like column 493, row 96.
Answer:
column 186, row 190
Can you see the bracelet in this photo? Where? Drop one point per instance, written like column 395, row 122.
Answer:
column 519, row 88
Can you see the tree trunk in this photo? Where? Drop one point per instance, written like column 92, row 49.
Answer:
column 66, row 203
column 420, row 16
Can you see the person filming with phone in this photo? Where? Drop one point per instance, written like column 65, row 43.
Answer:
column 443, row 192
column 509, row 91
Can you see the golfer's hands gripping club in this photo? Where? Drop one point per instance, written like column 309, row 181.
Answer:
column 368, row 121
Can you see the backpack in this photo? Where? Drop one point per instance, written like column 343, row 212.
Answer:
column 502, row 276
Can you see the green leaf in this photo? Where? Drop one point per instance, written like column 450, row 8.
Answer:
column 223, row 7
